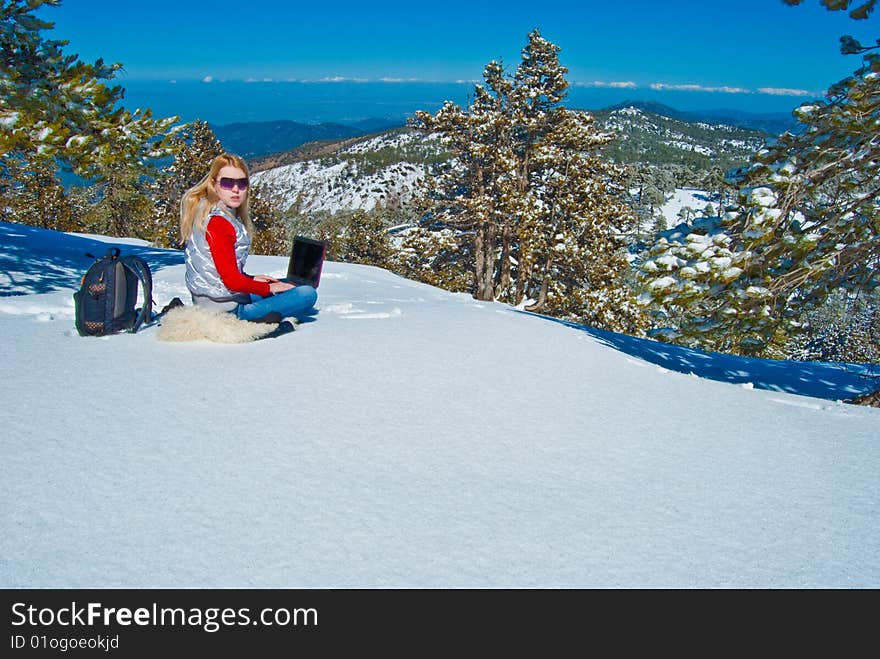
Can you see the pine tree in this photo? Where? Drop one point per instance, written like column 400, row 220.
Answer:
column 808, row 224
column 53, row 106
column 857, row 10
column 441, row 258
column 195, row 146
column 845, row 328
column 33, row 195
column 645, row 194
column 363, row 238
column 716, row 183
column 575, row 233
column 273, row 236
column 526, row 192
column 122, row 204
column 474, row 191
column 55, row 112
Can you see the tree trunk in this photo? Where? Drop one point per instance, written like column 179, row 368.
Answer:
column 503, row 288
column 523, row 269
column 541, row 302
column 484, row 262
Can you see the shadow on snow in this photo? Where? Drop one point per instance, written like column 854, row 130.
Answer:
column 831, row 381
column 34, row 260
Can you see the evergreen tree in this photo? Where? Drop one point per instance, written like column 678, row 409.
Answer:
column 660, row 223
column 528, row 194
column 55, row 112
column 808, row 224
column 475, row 191
column 442, row 258
column 576, row 238
column 858, row 10
column 272, row 233
column 33, row 194
column 53, row 106
column 194, row 148
column 363, row 239
column 715, row 183
column 845, row 328
column 122, row 204
column 645, row 194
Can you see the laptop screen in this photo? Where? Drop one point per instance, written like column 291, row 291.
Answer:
column 306, row 261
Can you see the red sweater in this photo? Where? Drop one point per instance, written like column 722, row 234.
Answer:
column 221, row 239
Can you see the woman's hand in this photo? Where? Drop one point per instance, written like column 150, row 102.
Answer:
column 276, row 286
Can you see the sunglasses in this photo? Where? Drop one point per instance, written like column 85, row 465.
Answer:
column 229, row 183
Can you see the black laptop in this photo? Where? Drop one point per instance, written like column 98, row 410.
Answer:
column 306, row 261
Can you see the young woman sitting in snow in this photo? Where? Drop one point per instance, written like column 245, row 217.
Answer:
column 215, row 225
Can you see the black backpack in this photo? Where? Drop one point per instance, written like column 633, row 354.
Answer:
column 105, row 302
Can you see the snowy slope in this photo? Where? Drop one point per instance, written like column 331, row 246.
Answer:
column 311, row 186
column 383, row 170
column 410, row 437
column 691, row 198
column 649, row 130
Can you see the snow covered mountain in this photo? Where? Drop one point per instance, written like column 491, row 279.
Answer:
column 376, row 171
column 383, row 170
column 644, row 136
column 771, row 123
column 358, row 178
column 412, row 437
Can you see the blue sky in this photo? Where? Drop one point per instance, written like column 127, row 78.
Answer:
column 734, row 47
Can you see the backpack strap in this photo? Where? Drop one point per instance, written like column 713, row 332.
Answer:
column 140, row 268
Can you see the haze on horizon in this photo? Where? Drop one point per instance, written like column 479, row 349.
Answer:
column 759, row 55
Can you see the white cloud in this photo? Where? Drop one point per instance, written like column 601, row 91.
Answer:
column 699, row 88
column 782, row 91
column 615, row 85
column 356, row 79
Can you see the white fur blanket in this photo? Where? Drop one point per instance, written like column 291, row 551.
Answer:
column 192, row 323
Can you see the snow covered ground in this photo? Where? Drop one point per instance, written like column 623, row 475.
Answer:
column 411, row 437
column 310, row 186
column 344, row 184
column 681, row 198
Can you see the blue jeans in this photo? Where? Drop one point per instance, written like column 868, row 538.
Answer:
column 298, row 302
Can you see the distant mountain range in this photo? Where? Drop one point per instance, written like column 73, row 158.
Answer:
column 649, row 134
column 772, row 123
column 261, row 138
column 255, row 140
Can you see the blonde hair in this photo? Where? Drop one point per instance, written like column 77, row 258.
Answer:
column 198, row 201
